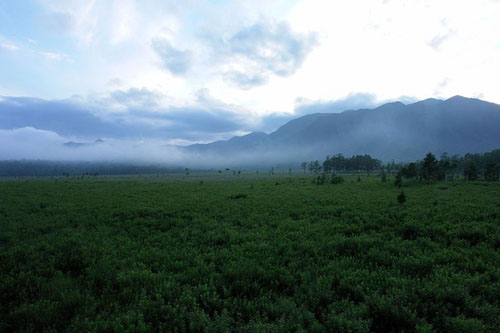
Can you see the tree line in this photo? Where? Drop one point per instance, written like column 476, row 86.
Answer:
column 476, row 166
column 484, row 166
column 341, row 164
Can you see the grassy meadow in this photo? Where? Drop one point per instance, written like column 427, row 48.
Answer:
column 254, row 253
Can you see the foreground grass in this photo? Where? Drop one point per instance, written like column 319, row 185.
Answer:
column 264, row 254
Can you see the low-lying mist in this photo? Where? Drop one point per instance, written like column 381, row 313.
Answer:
column 32, row 144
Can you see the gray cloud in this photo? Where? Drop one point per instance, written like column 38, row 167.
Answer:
column 63, row 117
column 440, row 86
column 176, row 61
column 438, row 40
column 258, row 51
column 139, row 117
column 262, row 49
column 135, row 97
column 245, row 81
column 275, row 47
column 350, row 102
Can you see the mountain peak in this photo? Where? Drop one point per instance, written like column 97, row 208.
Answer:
column 458, row 98
column 428, row 101
column 395, row 103
column 390, row 105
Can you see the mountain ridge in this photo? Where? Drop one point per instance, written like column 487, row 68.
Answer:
column 391, row 131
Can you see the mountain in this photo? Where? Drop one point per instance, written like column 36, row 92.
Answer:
column 392, row 131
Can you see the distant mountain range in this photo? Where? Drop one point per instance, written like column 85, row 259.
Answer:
column 392, row 131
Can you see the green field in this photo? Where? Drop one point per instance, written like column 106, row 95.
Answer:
column 250, row 254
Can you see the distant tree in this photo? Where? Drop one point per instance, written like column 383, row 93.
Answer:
column 444, row 166
column 303, row 165
column 383, row 176
column 186, row 170
column 454, row 163
column 411, row 171
column 327, row 164
column 316, row 166
column 492, row 172
column 220, row 171
column 398, row 180
column 391, row 167
column 470, row 171
column 429, row 167
column 356, row 163
column 338, row 163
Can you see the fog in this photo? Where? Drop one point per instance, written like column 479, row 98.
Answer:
column 29, row 143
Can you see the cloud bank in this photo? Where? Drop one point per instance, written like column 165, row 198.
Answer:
column 131, row 114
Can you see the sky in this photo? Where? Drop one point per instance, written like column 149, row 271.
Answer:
column 174, row 72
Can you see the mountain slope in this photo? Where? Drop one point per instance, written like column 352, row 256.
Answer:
column 391, row 131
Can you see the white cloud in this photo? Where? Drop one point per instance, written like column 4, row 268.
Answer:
column 9, row 46
column 55, row 56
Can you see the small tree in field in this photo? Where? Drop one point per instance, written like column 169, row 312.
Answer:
column 383, row 177
column 303, row 165
column 398, row 181
column 336, row 179
column 320, row 180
